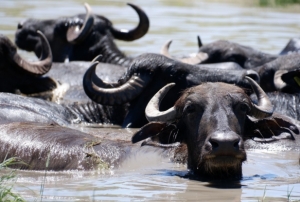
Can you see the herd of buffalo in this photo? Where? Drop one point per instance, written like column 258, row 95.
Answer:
column 205, row 111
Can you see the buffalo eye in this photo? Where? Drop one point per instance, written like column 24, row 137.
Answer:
column 244, row 107
column 189, row 109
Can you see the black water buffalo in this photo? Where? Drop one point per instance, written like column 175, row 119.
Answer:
column 45, row 79
column 81, row 37
column 281, row 74
column 276, row 72
column 147, row 74
column 214, row 120
column 20, row 75
column 225, row 51
column 245, row 56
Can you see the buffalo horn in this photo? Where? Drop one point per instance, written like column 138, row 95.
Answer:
column 192, row 60
column 199, row 42
column 165, row 49
column 76, row 35
column 152, row 109
column 137, row 32
column 40, row 67
column 265, row 107
column 112, row 94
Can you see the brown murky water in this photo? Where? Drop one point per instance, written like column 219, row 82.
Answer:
column 148, row 176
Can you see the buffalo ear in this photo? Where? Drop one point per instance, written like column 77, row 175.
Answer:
column 292, row 79
column 148, row 130
column 271, row 128
column 159, row 134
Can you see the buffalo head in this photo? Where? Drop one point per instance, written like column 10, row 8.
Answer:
column 225, row 51
column 18, row 74
column 212, row 120
column 81, row 37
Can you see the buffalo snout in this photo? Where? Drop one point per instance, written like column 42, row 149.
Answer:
column 224, row 143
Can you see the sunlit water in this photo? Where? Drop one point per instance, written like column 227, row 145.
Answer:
column 148, row 176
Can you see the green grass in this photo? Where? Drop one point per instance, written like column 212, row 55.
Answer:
column 289, row 192
column 7, row 181
column 278, row 2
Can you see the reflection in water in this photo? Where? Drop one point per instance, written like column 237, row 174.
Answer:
column 146, row 175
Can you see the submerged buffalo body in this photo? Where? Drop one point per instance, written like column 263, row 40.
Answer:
column 17, row 108
column 284, row 103
column 65, row 149
column 214, row 120
column 81, row 37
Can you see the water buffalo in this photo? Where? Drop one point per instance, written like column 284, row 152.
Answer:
column 146, row 75
column 20, row 75
column 281, row 74
column 276, row 72
column 226, row 51
column 45, row 79
column 80, row 37
column 214, row 120
column 41, row 139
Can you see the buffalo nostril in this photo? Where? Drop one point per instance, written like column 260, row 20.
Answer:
column 20, row 25
column 214, row 144
column 225, row 143
column 236, row 144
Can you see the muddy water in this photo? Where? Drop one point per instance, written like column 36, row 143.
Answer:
column 146, row 176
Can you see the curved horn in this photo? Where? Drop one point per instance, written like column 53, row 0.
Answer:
column 40, row 67
column 193, row 59
column 136, row 33
column 265, row 107
column 120, row 94
column 76, row 35
column 152, row 109
column 165, row 49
